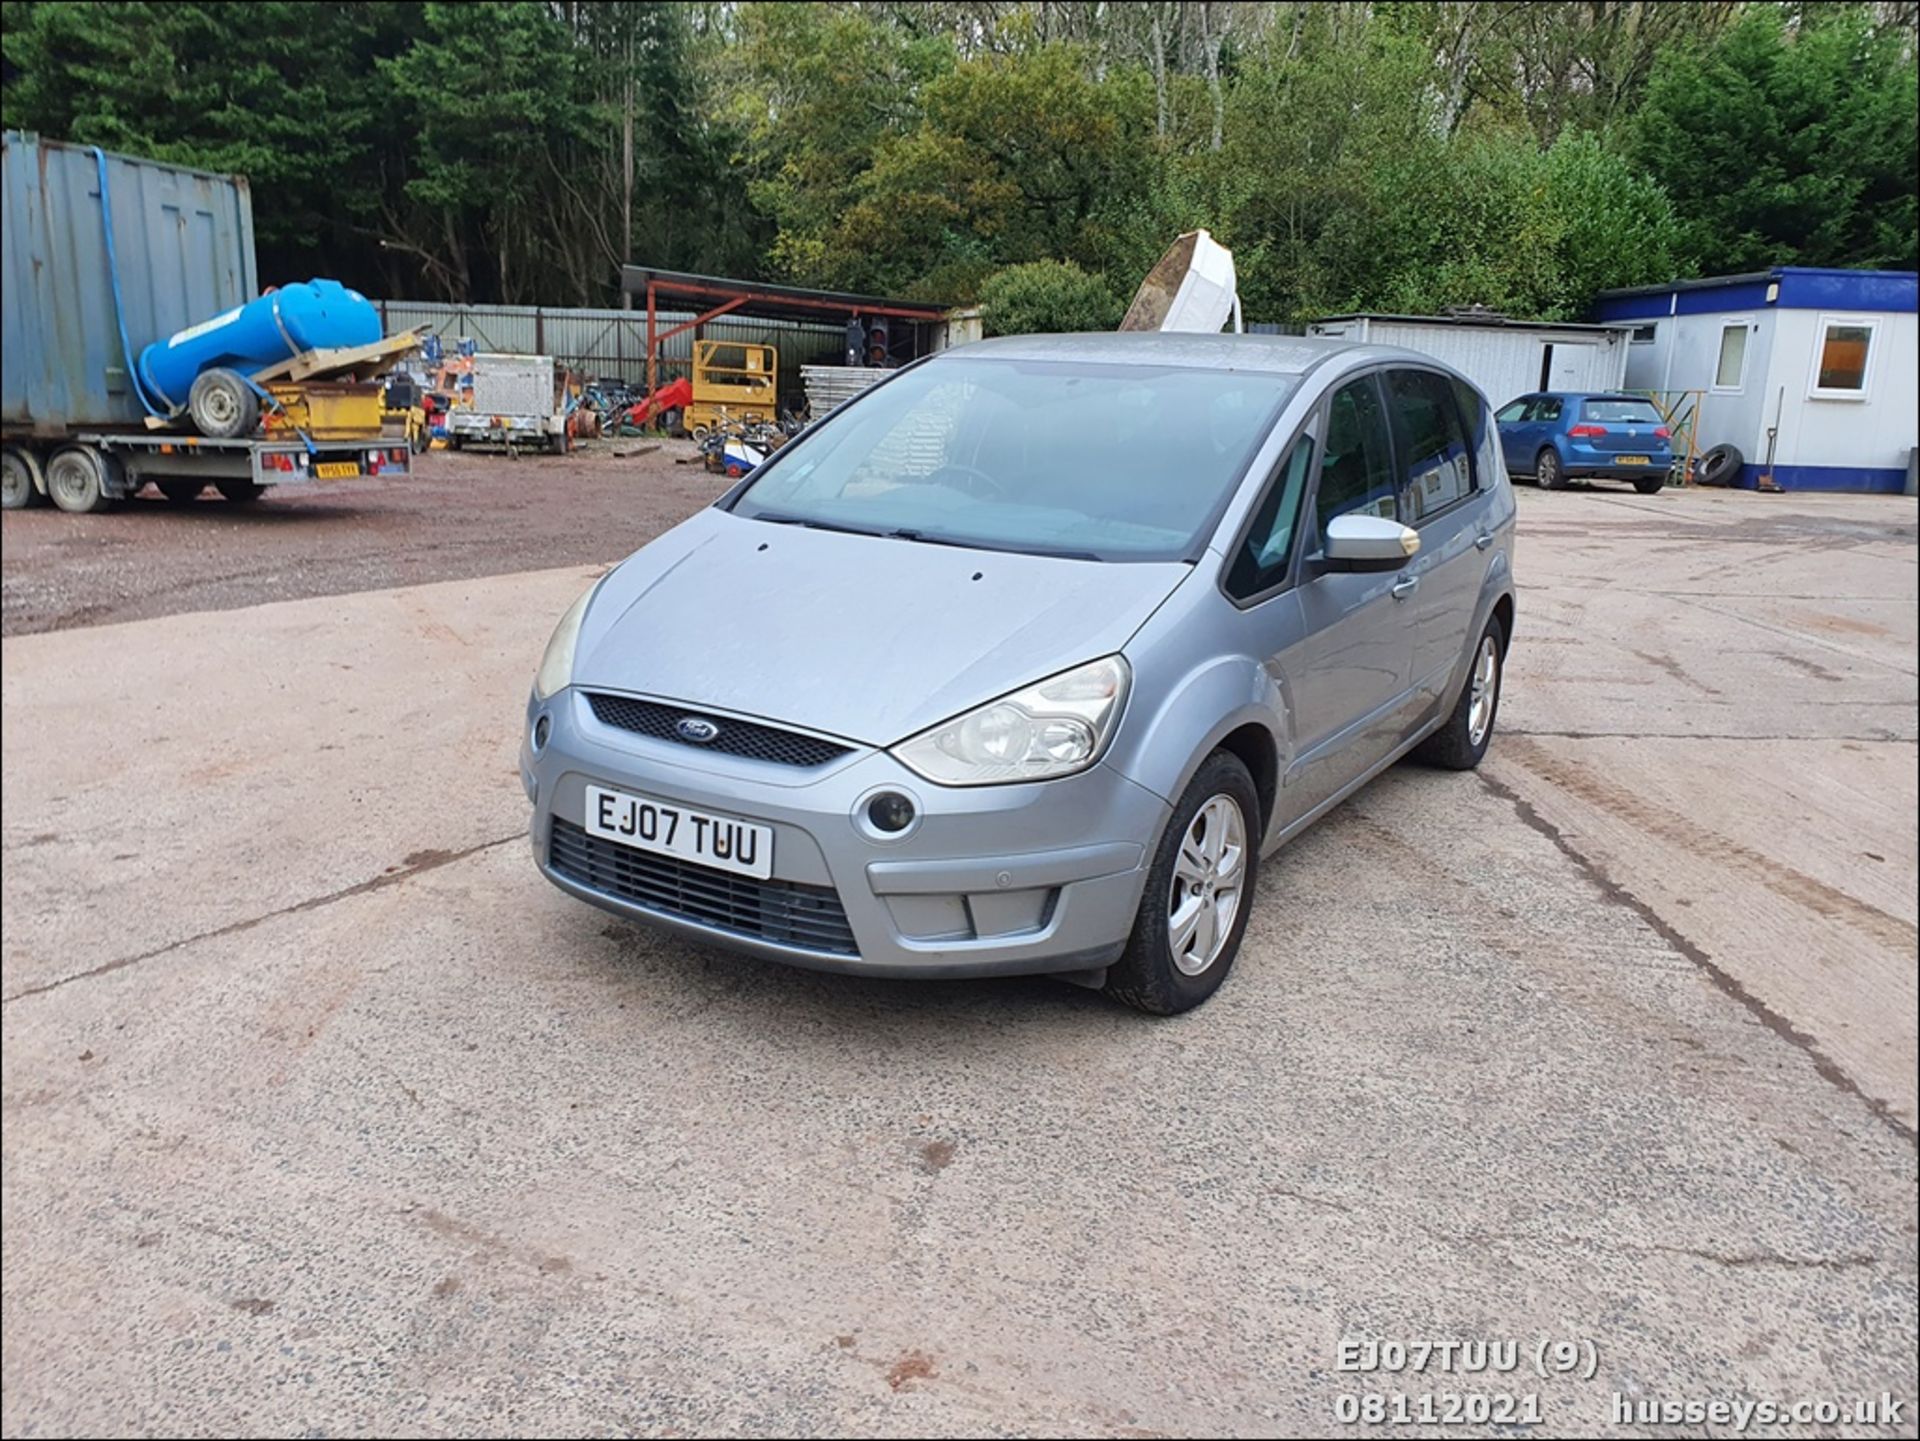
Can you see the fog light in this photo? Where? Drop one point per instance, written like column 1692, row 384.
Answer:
column 541, row 729
column 890, row 812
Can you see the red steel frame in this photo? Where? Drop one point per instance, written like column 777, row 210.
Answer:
column 742, row 295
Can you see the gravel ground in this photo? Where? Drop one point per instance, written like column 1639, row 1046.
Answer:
column 457, row 517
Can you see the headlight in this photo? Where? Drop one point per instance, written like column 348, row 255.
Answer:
column 1054, row 728
column 556, row 666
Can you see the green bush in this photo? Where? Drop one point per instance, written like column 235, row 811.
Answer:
column 1046, row 295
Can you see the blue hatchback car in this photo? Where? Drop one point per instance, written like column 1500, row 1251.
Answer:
column 1557, row 437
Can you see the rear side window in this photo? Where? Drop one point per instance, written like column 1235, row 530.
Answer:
column 1356, row 472
column 1436, row 462
column 1263, row 557
column 1621, row 412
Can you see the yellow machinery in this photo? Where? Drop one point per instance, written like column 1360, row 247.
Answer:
column 326, row 409
column 732, row 381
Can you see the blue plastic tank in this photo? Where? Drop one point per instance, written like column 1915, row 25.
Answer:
column 317, row 315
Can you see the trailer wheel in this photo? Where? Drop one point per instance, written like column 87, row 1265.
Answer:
column 223, row 405
column 21, row 483
column 180, row 492
column 240, row 492
column 78, row 480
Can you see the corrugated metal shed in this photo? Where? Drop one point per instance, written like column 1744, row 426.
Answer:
column 613, row 343
column 184, row 241
column 1505, row 358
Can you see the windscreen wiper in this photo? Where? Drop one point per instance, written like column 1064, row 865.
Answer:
column 774, row 519
column 923, row 538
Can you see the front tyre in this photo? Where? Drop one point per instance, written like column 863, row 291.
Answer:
column 1198, row 896
column 1462, row 741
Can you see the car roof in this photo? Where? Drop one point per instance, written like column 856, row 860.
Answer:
column 1579, row 395
column 1277, row 354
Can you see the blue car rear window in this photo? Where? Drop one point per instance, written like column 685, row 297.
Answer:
column 1621, row 412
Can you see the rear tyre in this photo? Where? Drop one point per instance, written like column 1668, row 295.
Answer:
column 77, row 480
column 1463, row 740
column 1198, row 896
column 19, row 479
column 1650, row 485
column 180, row 492
column 222, row 405
column 240, row 492
column 1547, row 472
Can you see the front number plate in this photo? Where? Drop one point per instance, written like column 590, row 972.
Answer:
column 1636, row 460
column 337, row 469
column 672, row 830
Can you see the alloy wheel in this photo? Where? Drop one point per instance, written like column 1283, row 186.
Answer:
column 1208, row 884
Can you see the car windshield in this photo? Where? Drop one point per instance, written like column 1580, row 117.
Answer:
column 1621, row 412
column 1102, row 462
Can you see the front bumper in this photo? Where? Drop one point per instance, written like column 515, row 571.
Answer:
column 990, row 880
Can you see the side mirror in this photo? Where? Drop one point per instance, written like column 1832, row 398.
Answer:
column 1369, row 542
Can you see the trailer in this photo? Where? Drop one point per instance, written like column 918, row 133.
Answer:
column 102, row 255
column 509, row 400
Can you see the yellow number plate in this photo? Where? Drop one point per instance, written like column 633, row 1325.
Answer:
column 337, row 469
column 1636, row 460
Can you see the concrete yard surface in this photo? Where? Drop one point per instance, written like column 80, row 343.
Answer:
column 325, row 1114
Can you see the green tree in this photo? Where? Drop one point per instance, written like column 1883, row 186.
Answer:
column 813, row 91
column 1789, row 143
column 297, row 108
column 1014, row 160
column 1044, row 296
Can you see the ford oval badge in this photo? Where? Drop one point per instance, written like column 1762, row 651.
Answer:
column 696, row 729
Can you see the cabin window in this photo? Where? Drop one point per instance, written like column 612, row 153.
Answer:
column 1731, row 373
column 1840, row 366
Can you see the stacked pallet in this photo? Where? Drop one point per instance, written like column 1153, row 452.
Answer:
column 829, row 386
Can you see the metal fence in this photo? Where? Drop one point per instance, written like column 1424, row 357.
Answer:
column 613, row 343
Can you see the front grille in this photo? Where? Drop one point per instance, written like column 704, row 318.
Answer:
column 734, row 738
column 784, row 911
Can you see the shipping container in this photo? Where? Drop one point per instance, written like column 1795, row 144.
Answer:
column 183, row 242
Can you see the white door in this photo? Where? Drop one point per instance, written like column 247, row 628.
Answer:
column 1570, row 366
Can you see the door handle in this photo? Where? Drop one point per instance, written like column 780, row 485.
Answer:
column 1405, row 586
column 1483, row 540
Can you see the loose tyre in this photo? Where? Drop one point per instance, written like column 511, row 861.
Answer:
column 1462, row 741
column 222, row 405
column 1547, row 472
column 180, row 492
column 1721, row 465
column 1199, row 893
column 18, row 485
column 240, row 492
column 80, row 480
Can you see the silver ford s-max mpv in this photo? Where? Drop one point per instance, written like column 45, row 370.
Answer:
column 1026, row 658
